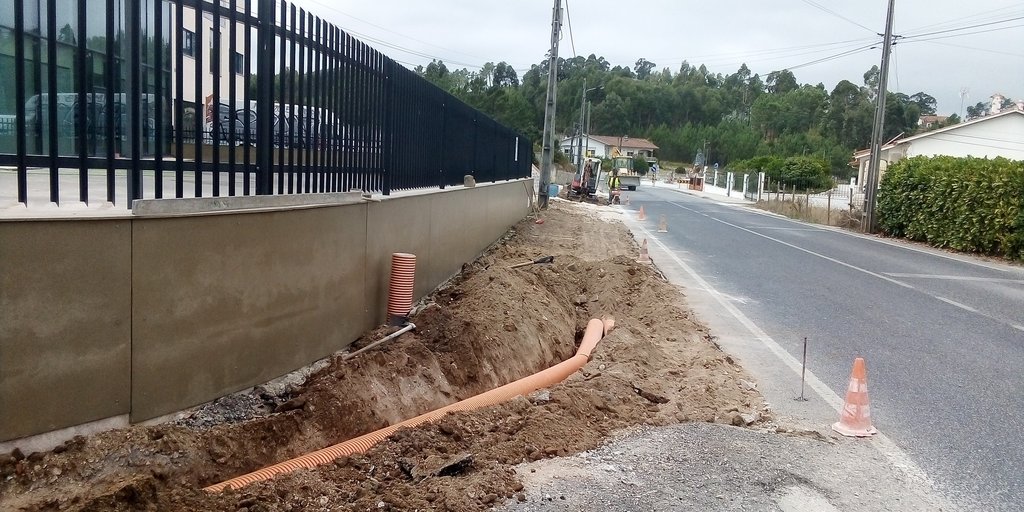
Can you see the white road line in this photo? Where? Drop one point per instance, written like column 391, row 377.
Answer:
column 957, row 304
column 896, row 456
column 808, row 251
column 955, row 278
column 868, row 272
column 898, row 245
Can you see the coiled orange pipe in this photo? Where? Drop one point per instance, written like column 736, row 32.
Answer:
column 596, row 329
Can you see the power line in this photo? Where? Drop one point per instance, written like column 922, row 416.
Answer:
column 758, row 52
column 989, row 15
column 836, row 56
column 336, row 10
column 957, row 29
column 913, row 39
column 989, row 50
column 836, row 14
column 568, row 18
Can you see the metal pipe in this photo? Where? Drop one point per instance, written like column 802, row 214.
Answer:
column 408, row 327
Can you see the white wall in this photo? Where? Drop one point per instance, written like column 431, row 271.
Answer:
column 570, row 146
column 189, row 63
column 1003, row 136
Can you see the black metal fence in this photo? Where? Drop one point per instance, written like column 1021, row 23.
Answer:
column 233, row 97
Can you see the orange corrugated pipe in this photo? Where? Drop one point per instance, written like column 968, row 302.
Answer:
column 401, row 285
column 596, row 329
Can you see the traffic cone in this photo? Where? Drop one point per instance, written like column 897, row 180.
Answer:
column 662, row 224
column 644, row 256
column 855, row 418
column 641, row 215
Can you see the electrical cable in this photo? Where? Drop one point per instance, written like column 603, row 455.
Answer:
column 957, row 29
column 999, row 52
column 913, row 39
column 984, row 16
column 836, row 56
column 836, row 14
column 568, row 18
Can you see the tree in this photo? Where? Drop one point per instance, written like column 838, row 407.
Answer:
column 977, row 110
column 925, row 102
column 781, row 82
column 643, row 68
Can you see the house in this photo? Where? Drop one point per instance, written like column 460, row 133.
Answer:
column 929, row 122
column 998, row 135
column 602, row 146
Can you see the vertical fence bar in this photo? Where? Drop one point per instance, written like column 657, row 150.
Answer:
column 52, row 103
column 199, row 102
column 135, row 99
column 216, row 134
column 265, row 97
column 109, row 69
column 247, row 98
column 158, row 96
column 81, row 127
column 179, row 100
column 294, row 115
column 19, row 98
column 281, row 104
column 232, row 92
column 298, row 40
column 323, row 112
column 388, row 140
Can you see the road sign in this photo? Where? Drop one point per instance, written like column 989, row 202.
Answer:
column 716, row 166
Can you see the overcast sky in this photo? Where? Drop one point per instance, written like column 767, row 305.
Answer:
column 722, row 34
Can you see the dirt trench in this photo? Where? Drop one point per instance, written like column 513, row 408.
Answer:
column 487, row 327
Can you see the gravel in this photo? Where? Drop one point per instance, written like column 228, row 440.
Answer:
column 703, row 466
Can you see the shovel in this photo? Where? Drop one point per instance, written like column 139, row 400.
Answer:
column 545, row 259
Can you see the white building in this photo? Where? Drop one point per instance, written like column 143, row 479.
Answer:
column 190, row 48
column 998, row 135
column 602, row 146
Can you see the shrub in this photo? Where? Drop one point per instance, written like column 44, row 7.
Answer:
column 967, row 204
column 806, row 172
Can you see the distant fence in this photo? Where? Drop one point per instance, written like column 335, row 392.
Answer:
column 192, row 98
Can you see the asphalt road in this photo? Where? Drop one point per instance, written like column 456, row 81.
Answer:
column 943, row 335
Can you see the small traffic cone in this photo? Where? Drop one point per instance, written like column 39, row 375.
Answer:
column 641, row 215
column 855, row 418
column 644, row 256
column 662, row 224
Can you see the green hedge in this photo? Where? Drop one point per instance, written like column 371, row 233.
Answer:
column 967, row 204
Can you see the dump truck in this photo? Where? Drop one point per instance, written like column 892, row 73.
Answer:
column 623, row 167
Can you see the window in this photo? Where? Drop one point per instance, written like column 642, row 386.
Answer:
column 188, row 43
column 239, row 64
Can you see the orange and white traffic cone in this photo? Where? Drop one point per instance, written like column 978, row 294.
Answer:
column 855, row 418
column 663, row 224
column 641, row 215
column 644, row 256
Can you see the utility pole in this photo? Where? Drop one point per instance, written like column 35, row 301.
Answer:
column 547, row 154
column 583, row 103
column 877, row 131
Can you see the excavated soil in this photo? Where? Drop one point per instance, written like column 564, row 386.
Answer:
column 488, row 326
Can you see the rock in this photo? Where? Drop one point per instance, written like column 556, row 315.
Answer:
column 438, row 466
column 489, row 498
column 601, row 367
column 749, row 386
column 540, row 397
column 572, row 267
column 17, row 454
column 295, row 403
column 749, row 418
column 520, row 497
column 581, row 300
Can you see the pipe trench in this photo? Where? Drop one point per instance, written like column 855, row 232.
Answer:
column 595, row 330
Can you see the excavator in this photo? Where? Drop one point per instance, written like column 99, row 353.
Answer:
column 585, row 181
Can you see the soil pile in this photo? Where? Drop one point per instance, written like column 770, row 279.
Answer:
column 487, row 327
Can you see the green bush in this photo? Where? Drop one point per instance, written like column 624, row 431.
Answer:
column 967, row 204
column 806, row 173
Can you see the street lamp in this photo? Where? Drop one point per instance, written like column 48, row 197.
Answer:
column 583, row 105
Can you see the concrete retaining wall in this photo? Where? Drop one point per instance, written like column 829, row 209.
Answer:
column 146, row 316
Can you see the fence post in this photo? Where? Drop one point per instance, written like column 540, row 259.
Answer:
column 265, row 97
column 19, row 98
column 389, row 138
column 828, row 212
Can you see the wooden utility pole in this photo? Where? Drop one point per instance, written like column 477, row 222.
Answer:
column 877, row 131
column 547, row 153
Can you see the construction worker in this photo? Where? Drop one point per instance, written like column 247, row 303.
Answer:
column 613, row 186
